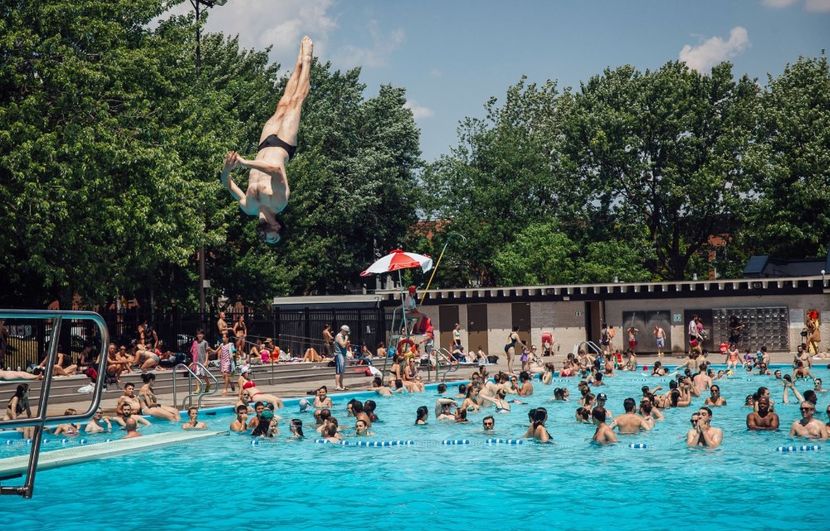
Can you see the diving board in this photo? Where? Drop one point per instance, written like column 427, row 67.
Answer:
column 15, row 466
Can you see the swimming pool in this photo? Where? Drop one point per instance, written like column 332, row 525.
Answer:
column 225, row 482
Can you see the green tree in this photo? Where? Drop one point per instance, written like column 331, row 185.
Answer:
column 110, row 146
column 498, row 180
column 661, row 151
column 791, row 217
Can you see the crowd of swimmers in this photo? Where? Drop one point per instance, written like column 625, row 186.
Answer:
column 256, row 410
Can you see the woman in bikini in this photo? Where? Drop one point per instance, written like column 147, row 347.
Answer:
column 411, row 379
column 537, row 428
column 19, row 404
column 268, row 189
column 149, row 402
column 246, row 384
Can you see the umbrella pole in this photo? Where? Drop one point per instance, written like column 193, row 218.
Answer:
column 434, row 270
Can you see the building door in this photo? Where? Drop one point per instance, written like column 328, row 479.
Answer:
column 447, row 317
column 521, row 319
column 477, row 327
column 593, row 321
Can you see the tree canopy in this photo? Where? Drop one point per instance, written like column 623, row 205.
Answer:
column 111, row 143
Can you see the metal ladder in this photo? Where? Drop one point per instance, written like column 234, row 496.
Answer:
column 203, row 384
column 40, row 420
column 590, row 344
column 450, row 365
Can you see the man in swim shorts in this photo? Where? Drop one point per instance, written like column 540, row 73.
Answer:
column 341, row 347
column 660, row 339
column 268, row 189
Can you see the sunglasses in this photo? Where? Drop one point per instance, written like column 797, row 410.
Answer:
column 488, row 423
column 807, row 409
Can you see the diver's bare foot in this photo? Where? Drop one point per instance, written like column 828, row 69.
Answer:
column 306, row 48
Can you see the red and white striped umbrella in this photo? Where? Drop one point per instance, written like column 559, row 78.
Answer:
column 397, row 260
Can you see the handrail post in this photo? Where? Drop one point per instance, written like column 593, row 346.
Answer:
column 40, row 419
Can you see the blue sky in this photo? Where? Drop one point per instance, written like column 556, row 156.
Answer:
column 451, row 56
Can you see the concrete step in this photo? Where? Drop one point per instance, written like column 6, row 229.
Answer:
column 65, row 389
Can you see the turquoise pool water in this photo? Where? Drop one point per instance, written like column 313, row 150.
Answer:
column 225, row 482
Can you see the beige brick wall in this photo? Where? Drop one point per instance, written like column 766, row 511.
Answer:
column 462, row 320
column 615, row 309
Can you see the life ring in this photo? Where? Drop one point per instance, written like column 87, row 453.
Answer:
column 403, row 342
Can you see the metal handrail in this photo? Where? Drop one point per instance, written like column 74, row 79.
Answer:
column 211, row 392
column 202, row 385
column 40, row 420
column 448, row 358
column 590, row 344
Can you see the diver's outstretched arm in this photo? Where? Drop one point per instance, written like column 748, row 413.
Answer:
column 231, row 163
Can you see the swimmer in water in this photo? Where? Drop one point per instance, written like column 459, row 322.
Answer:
column 547, row 375
column 296, row 428
column 488, row 423
column 380, row 388
column 502, row 405
column 94, row 425
column 422, row 415
column 444, row 409
column 703, row 434
column 537, row 429
column 321, row 402
column 361, row 429
column 561, row 394
column 193, row 422
column 471, row 401
column 629, row 422
column 127, row 417
column 68, row 429
column 809, row 426
column 603, row 434
column 764, row 419
column 714, row 399
column 240, row 425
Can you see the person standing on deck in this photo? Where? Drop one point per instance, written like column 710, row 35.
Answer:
column 341, row 347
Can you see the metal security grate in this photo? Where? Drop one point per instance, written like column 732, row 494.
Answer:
column 756, row 327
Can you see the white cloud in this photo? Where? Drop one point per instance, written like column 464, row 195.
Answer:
column 779, row 3
column 820, row 6
column 375, row 56
column 715, row 50
column 436, row 73
column 276, row 23
column 418, row 111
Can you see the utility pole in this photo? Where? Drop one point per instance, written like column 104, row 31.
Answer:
column 197, row 4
